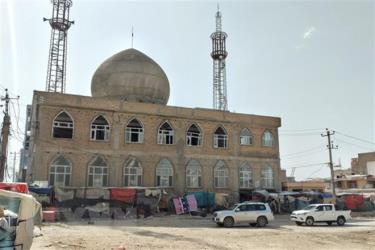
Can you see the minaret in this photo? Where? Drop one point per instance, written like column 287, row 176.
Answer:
column 60, row 25
column 218, row 55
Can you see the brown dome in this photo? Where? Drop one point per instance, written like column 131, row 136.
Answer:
column 131, row 76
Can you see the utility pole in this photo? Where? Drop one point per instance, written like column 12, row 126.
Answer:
column 5, row 135
column 14, row 165
column 330, row 146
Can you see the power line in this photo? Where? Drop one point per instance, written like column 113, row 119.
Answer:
column 304, row 151
column 355, row 138
column 340, row 140
column 307, row 165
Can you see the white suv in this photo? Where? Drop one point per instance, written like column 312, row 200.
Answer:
column 254, row 213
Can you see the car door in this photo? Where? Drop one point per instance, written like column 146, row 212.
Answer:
column 251, row 213
column 328, row 213
column 319, row 213
column 241, row 213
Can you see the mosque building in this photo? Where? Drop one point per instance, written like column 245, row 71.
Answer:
column 125, row 135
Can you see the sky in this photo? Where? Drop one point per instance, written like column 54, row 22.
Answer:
column 309, row 62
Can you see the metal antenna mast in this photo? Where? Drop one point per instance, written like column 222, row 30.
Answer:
column 60, row 25
column 218, row 55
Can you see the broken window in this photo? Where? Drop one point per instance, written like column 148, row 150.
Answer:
column 221, row 175
column 246, row 180
column 246, row 138
column 220, row 138
column 63, row 126
column 193, row 136
column 267, row 139
column 98, row 172
column 164, row 174
column 193, row 174
column 100, row 129
column 59, row 172
column 134, row 132
column 165, row 134
column 133, row 173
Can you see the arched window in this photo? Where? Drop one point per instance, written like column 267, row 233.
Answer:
column 134, row 132
column 63, row 126
column 267, row 139
column 267, row 177
column 100, row 129
column 246, row 176
column 220, row 138
column 165, row 134
column 133, row 173
column 193, row 136
column 221, row 175
column 193, row 174
column 246, row 138
column 59, row 172
column 98, row 172
column 164, row 174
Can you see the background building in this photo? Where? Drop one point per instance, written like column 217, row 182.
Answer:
column 126, row 135
column 364, row 164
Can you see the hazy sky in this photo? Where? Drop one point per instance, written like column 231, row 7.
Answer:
column 309, row 62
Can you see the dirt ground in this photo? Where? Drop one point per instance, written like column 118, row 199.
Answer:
column 187, row 232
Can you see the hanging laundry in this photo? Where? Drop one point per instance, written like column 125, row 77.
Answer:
column 192, row 202
column 178, row 206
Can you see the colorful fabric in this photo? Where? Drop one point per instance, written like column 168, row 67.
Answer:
column 192, row 202
column 126, row 195
column 178, row 205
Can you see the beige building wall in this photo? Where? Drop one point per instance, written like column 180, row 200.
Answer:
column 359, row 165
column 80, row 149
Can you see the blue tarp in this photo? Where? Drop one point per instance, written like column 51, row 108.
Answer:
column 39, row 190
column 204, row 199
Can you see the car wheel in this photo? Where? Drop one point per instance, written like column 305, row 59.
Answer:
column 219, row 224
column 228, row 222
column 298, row 223
column 329, row 223
column 341, row 221
column 253, row 224
column 261, row 221
column 309, row 221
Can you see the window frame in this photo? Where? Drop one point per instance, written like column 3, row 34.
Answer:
column 265, row 177
column 165, row 135
column 217, row 137
column 222, row 167
column 129, row 131
column 190, row 136
column 104, row 176
column 63, row 125
column 196, row 177
column 53, row 172
column 265, row 142
column 242, row 179
column 106, row 130
column 249, row 138
column 138, row 175
column 162, row 178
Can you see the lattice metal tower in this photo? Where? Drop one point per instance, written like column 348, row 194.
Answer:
column 60, row 24
column 218, row 55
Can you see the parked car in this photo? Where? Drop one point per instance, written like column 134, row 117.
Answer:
column 326, row 213
column 255, row 213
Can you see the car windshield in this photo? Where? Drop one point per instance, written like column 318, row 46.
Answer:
column 311, row 207
column 233, row 206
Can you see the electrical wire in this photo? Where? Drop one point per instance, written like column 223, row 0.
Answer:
column 307, row 165
column 304, row 151
column 355, row 138
column 352, row 144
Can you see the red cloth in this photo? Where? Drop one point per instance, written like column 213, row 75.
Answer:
column 354, row 202
column 19, row 187
column 123, row 194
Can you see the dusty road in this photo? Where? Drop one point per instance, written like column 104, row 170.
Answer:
column 185, row 232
